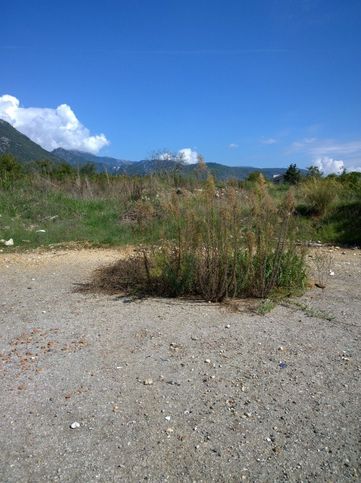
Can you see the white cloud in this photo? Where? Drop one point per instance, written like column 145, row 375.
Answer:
column 329, row 165
column 165, row 156
column 333, row 148
column 51, row 128
column 303, row 143
column 233, row 146
column 325, row 151
column 188, row 156
column 349, row 169
column 269, row 141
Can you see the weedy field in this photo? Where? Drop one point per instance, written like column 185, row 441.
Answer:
column 196, row 236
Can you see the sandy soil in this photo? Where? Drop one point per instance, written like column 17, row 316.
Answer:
column 229, row 396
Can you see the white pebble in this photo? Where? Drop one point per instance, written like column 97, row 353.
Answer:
column 75, row 425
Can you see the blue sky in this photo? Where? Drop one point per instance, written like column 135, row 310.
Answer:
column 262, row 82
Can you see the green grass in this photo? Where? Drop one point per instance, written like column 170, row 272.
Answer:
column 309, row 311
column 266, row 306
column 63, row 218
column 90, row 209
column 214, row 242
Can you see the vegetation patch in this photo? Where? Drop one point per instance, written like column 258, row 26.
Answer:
column 216, row 248
column 196, row 236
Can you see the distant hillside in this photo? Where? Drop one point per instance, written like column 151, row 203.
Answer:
column 25, row 150
column 151, row 166
column 20, row 146
column 223, row 172
column 102, row 163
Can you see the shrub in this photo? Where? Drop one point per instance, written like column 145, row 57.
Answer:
column 292, row 175
column 319, row 195
column 239, row 245
column 10, row 170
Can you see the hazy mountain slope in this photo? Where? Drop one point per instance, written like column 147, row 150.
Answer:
column 102, row 163
column 24, row 149
column 223, row 172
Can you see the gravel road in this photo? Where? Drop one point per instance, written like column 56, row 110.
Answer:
column 171, row 390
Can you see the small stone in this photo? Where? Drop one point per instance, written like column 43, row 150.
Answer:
column 167, row 418
column 169, row 430
column 207, row 361
column 173, row 383
column 75, row 425
column 281, row 348
column 228, row 326
column 332, row 273
column 148, row 382
column 9, row 243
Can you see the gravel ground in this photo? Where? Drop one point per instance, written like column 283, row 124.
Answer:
column 169, row 390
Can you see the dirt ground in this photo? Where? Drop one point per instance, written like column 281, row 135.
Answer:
column 170, row 390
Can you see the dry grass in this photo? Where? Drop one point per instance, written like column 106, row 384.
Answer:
column 239, row 245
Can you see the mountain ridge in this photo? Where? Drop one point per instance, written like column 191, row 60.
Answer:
column 26, row 150
column 23, row 148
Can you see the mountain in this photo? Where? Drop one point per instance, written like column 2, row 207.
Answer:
column 222, row 172
column 102, row 163
column 20, row 146
column 25, row 150
column 151, row 166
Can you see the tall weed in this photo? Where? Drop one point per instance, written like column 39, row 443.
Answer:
column 319, row 195
column 216, row 248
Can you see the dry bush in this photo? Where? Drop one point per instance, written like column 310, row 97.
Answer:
column 319, row 195
column 218, row 248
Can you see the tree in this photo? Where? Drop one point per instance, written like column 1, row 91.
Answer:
column 10, row 169
column 254, row 177
column 164, row 155
column 292, row 175
column 313, row 172
column 88, row 169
